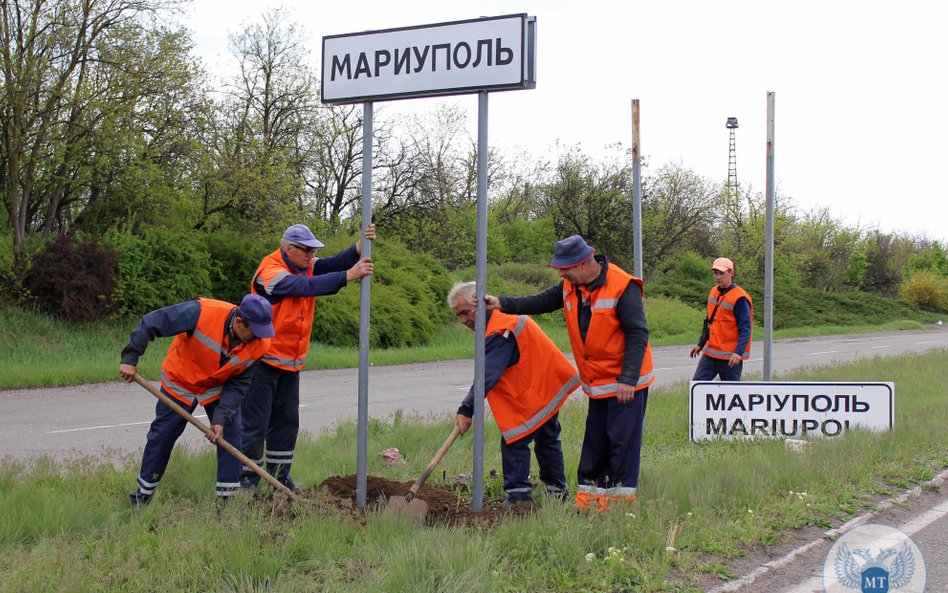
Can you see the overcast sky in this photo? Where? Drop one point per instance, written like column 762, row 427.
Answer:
column 861, row 124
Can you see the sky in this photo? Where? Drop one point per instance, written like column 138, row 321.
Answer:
column 860, row 120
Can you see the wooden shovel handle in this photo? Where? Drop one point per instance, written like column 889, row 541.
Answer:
column 220, row 441
column 434, row 462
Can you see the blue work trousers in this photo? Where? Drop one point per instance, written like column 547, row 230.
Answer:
column 549, row 452
column 271, row 423
column 612, row 445
column 164, row 432
column 709, row 368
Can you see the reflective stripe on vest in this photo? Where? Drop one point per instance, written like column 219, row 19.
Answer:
column 600, row 390
column 547, row 411
column 294, row 363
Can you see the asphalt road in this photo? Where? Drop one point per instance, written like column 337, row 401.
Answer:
column 797, row 566
column 111, row 419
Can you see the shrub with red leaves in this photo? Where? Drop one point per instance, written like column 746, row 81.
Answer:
column 75, row 281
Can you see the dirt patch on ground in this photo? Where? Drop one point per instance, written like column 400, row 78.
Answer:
column 445, row 507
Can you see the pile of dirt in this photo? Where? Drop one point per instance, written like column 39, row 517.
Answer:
column 445, row 507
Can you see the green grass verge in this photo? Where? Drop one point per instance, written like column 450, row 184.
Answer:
column 67, row 527
column 37, row 350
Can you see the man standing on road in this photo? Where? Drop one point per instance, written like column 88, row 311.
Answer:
column 210, row 362
column 725, row 341
column 290, row 278
column 605, row 319
column 527, row 380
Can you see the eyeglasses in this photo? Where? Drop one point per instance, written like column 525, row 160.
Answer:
column 305, row 250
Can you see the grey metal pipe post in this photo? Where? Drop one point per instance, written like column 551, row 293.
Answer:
column 636, row 190
column 769, row 245
column 364, row 304
column 480, row 319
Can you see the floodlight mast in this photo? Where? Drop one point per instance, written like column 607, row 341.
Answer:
column 732, row 157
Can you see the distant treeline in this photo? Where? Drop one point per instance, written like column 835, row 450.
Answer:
column 134, row 178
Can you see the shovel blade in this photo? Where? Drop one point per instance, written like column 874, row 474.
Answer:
column 416, row 509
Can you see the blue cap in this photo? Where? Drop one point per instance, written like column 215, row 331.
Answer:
column 300, row 233
column 259, row 315
column 570, row 252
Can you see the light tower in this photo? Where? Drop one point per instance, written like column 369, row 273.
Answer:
column 731, row 157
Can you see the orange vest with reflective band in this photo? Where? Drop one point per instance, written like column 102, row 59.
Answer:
column 599, row 359
column 292, row 316
column 192, row 369
column 723, row 330
column 531, row 391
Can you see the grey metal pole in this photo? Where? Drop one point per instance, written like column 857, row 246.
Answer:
column 636, row 189
column 769, row 245
column 480, row 319
column 364, row 303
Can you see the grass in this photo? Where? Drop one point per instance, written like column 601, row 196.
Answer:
column 37, row 350
column 67, row 527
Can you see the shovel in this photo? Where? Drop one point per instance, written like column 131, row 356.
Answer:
column 220, row 441
column 417, row 508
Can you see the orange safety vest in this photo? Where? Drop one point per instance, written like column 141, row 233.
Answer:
column 192, row 368
column 292, row 316
column 530, row 392
column 599, row 359
column 723, row 331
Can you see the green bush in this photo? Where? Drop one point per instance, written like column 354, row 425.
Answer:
column 927, row 290
column 234, row 257
column 75, row 280
column 526, row 240
column 671, row 317
column 408, row 299
column 160, row 268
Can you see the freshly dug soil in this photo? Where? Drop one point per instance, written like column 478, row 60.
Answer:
column 445, row 507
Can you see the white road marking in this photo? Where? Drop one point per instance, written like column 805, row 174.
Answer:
column 102, row 426
column 97, row 427
column 877, row 347
column 819, row 353
column 815, row 584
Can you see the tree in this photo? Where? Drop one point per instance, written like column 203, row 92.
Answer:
column 52, row 53
column 677, row 215
column 259, row 157
column 593, row 199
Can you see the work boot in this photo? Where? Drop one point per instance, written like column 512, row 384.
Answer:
column 139, row 499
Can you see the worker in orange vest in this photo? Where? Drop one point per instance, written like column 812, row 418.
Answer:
column 290, row 278
column 209, row 363
column 725, row 341
column 526, row 380
column 605, row 319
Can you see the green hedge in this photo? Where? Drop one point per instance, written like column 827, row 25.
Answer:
column 408, row 299
column 159, row 268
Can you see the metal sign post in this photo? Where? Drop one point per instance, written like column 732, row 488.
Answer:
column 365, row 284
column 480, row 315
